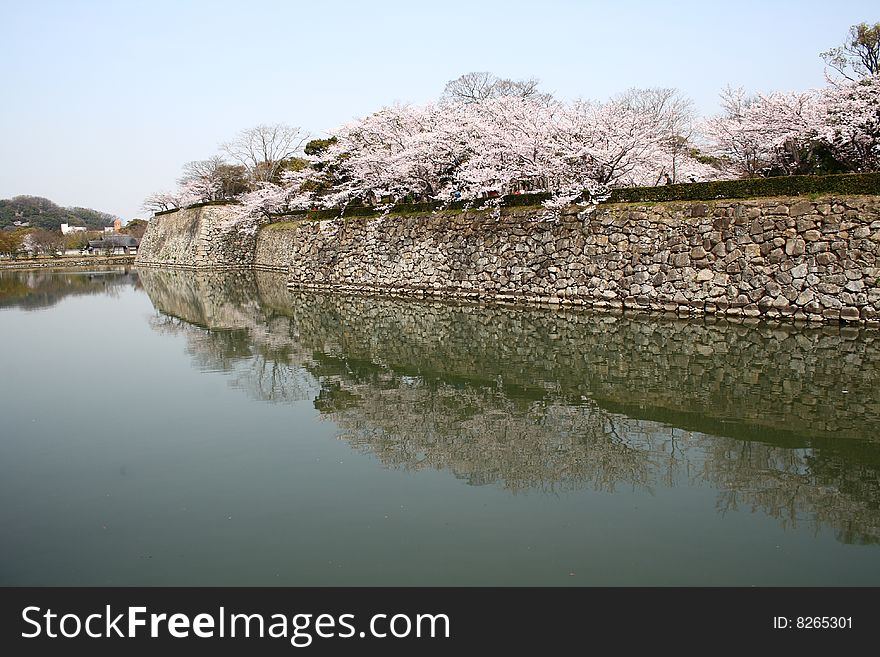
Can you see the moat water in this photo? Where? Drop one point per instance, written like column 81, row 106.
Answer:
column 168, row 428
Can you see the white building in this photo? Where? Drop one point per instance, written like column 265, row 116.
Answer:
column 67, row 229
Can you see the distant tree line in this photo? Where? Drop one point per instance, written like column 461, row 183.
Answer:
column 42, row 213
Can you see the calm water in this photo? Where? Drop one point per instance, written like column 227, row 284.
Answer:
column 171, row 428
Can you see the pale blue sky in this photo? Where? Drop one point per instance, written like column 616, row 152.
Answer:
column 104, row 101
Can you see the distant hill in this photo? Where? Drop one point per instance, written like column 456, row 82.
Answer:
column 43, row 213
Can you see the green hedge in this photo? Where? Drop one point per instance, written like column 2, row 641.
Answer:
column 845, row 184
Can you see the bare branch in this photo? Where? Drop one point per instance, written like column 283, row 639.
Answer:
column 262, row 150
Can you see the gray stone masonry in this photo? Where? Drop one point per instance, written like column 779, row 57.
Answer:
column 793, row 258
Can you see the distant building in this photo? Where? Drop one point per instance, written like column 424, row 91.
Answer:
column 67, row 229
column 21, row 224
column 115, row 244
column 115, row 228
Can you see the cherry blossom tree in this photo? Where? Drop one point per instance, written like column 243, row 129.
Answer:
column 673, row 116
column 483, row 149
column 494, row 137
column 851, row 123
column 214, row 179
column 758, row 134
column 200, row 178
column 160, row 202
column 186, row 194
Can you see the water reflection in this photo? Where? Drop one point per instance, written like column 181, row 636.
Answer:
column 36, row 290
column 774, row 419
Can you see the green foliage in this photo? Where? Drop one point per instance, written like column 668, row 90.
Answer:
column 294, row 164
column 704, row 158
column 262, row 170
column 91, row 219
column 859, row 54
column 78, row 240
column 318, row 146
column 10, row 242
column 813, row 158
column 233, row 180
column 847, row 184
column 135, row 228
column 327, row 179
column 519, row 200
column 290, row 164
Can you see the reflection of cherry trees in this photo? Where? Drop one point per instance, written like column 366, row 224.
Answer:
column 275, row 380
column 266, row 375
column 531, row 399
column 483, row 437
column 812, row 487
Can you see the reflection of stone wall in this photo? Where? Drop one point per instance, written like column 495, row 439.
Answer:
column 819, row 381
column 776, row 419
column 220, row 300
column 68, row 262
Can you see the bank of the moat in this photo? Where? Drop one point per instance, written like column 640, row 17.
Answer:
column 793, row 258
column 66, row 262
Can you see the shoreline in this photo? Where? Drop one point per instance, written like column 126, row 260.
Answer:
column 66, row 263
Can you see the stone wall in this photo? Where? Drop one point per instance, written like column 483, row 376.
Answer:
column 803, row 259
column 788, row 258
column 198, row 238
column 275, row 245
